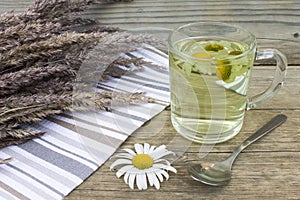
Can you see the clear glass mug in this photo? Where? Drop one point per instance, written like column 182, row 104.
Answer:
column 210, row 69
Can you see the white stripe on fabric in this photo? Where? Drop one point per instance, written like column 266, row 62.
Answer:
column 42, row 182
column 57, row 185
column 97, row 118
column 25, row 189
column 128, row 115
column 46, row 164
column 77, row 137
column 94, row 147
column 124, row 123
column 92, row 120
column 138, row 86
column 68, row 164
column 32, row 184
column 146, row 110
column 98, row 152
column 120, row 122
column 154, row 75
column 67, row 154
column 151, row 56
column 92, row 128
column 6, row 195
column 42, row 176
column 153, row 86
column 145, row 81
column 40, row 167
column 149, row 78
column 66, row 144
column 131, row 87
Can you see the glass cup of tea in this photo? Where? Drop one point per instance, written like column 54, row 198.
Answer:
column 210, row 68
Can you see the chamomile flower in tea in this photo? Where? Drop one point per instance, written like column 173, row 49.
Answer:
column 209, row 79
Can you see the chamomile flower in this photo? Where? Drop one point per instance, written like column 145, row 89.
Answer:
column 145, row 163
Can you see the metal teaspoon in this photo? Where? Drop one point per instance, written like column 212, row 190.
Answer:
column 219, row 173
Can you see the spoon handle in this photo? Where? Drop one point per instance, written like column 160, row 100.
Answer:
column 267, row 128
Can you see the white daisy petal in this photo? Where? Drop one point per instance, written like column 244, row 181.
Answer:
column 158, row 166
column 159, row 154
column 166, row 167
column 146, row 148
column 172, row 169
column 141, row 181
column 166, row 175
column 153, row 180
column 139, row 148
column 120, row 162
column 163, row 160
column 151, row 176
column 131, row 152
column 145, row 184
column 156, row 183
column 135, row 170
column 123, row 170
column 159, row 175
column 126, row 176
column 124, row 155
column 151, row 149
column 160, row 148
column 131, row 180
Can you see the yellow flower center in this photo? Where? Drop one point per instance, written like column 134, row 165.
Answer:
column 142, row 161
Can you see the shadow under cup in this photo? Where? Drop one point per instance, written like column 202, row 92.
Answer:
column 210, row 68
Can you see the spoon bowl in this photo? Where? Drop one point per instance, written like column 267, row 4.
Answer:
column 214, row 174
column 219, row 173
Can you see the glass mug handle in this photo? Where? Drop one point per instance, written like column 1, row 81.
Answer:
column 279, row 76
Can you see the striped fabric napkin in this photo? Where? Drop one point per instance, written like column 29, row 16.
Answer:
column 77, row 143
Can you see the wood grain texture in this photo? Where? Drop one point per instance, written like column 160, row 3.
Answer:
column 275, row 23
column 268, row 169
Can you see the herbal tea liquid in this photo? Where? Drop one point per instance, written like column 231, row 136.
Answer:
column 209, row 81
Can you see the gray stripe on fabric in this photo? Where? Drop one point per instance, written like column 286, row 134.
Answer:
column 109, row 88
column 91, row 123
column 55, row 134
column 85, row 147
column 69, row 183
column 97, row 136
column 37, row 180
column 12, row 191
column 127, row 87
column 137, row 118
column 70, row 152
column 165, row 89
column 161, row 70
column 68, row 164
column 148, row 79
column 6, row 196
column 27, row 183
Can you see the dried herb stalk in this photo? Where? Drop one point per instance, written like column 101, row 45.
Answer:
column 46, row 52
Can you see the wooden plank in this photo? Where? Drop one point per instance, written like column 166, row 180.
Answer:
column 278, row 30
column 267, row 169
column 18, row 6
column 275, row 23
column 254, row 176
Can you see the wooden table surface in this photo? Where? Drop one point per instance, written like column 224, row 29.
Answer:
column 268, row 169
